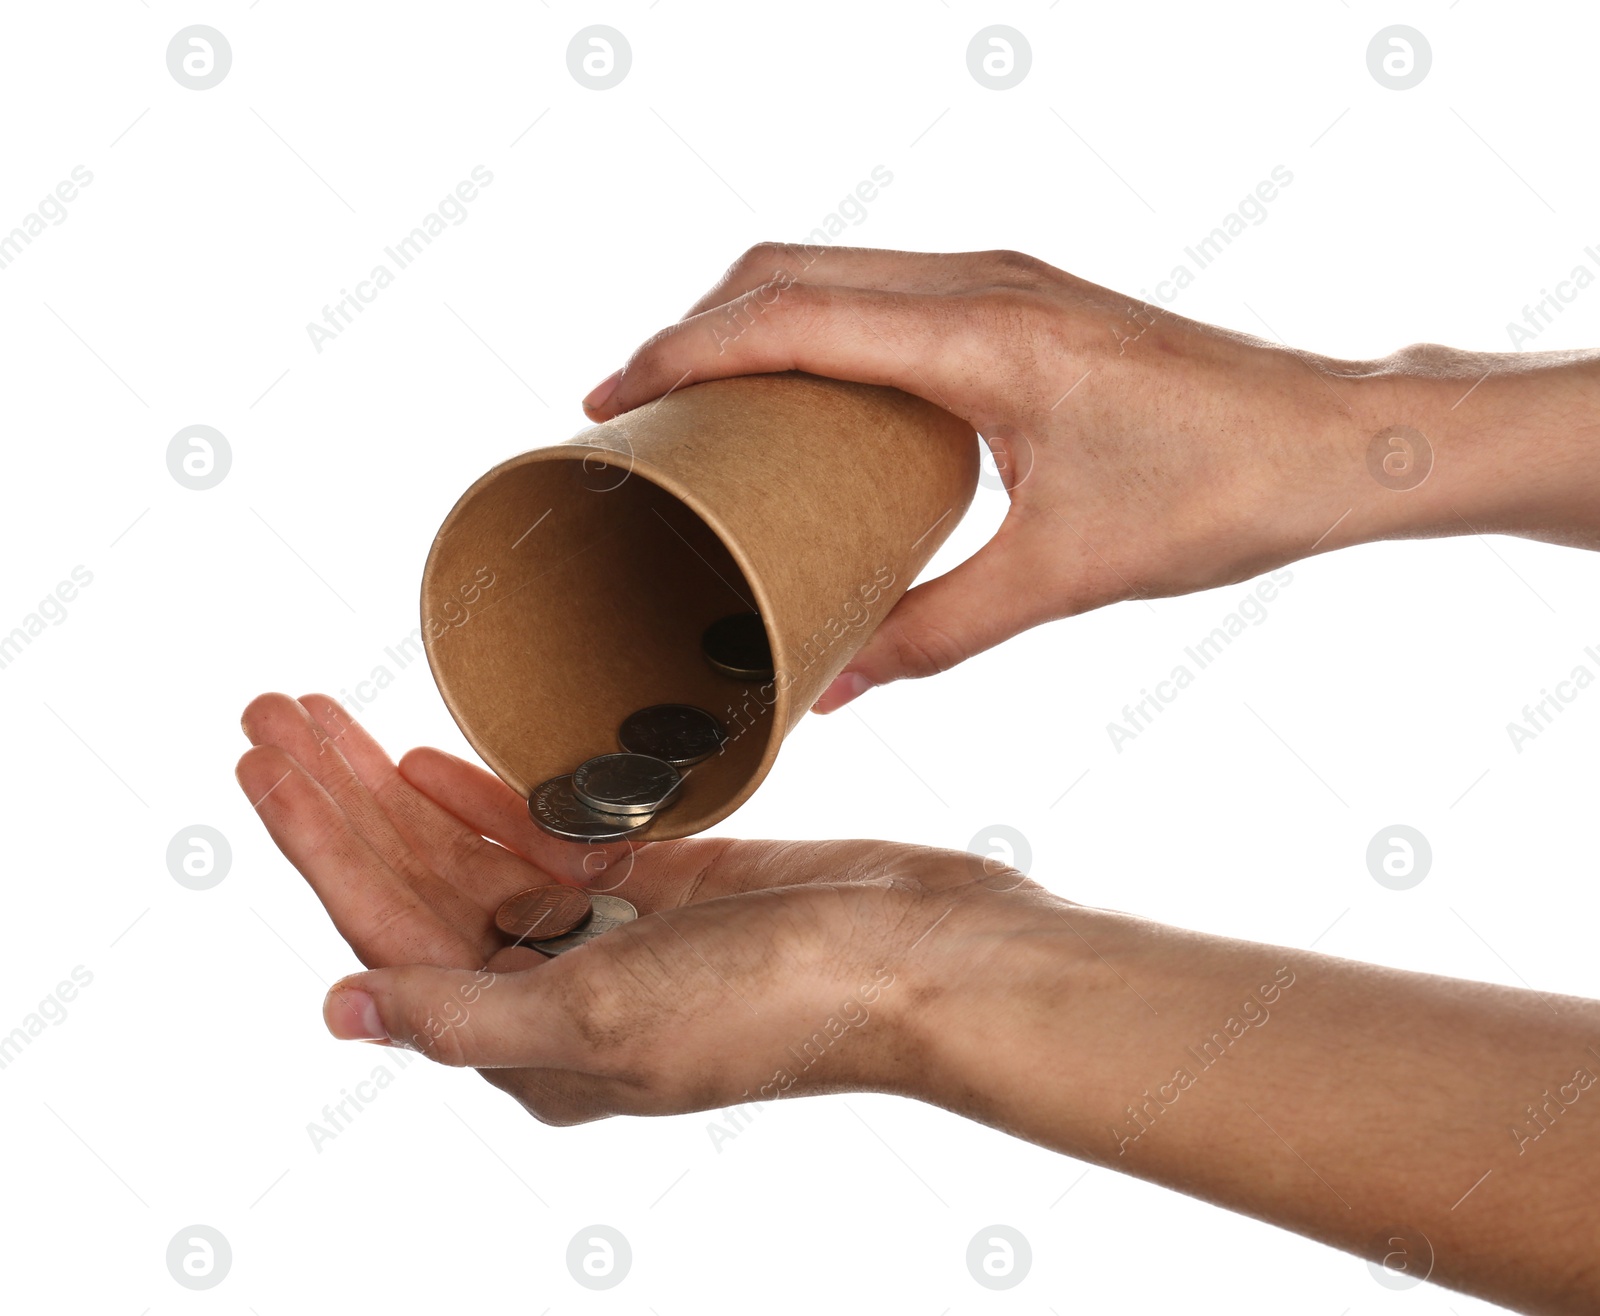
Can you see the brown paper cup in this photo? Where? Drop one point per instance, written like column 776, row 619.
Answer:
column 570, row 586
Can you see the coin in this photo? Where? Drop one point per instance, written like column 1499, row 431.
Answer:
column 625, row 783
column 542, row 912
column 558, row 811
column 737, row 646
column 679, row 734
column 609, row 912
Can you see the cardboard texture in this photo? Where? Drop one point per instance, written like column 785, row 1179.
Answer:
column 570, row 585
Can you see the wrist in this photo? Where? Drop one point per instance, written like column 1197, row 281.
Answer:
column 1010, row 1011
column 1444, row 442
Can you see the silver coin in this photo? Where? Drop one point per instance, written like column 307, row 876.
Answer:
column 555, row 808
column 628, row 784
column 737, row 646
column 679, row 734
column 609, row 912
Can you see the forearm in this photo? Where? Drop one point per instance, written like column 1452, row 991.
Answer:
column 1510, row 444
column 1346, row 1102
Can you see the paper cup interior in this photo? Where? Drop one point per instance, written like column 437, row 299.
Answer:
column 565, row 591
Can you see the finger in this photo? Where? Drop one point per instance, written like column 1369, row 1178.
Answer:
column 382, row 918
column 486, row 804
column 470, row 1017
column 941, row 623
column 849, row 267
column 279, row 720
column 515, row 958
column 447, row 1016
column 652, row 877
column 923, row 344
column 489, row 807
column 486, row 872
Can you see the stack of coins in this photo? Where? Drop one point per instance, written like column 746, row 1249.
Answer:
column 612, row 796
column 556, row 918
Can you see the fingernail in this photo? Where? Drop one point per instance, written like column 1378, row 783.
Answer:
column 602, row 391
column 352, row 1016
column 846, row 686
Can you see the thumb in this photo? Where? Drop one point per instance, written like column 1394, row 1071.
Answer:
column 455, row 1016
column 937, row 625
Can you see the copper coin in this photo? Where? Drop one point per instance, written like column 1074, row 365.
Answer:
column 609, row 912
column 541, row 912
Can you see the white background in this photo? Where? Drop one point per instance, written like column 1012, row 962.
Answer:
column 177, row 291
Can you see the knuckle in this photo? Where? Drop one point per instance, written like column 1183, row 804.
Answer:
column 923, row 650
column 449, row 1049
column 622, row 1000
column 1015, row 265
column 599, row 1005
column 760, row 262
column 1427, row 355
column 651, row 349
column 439, row 1040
